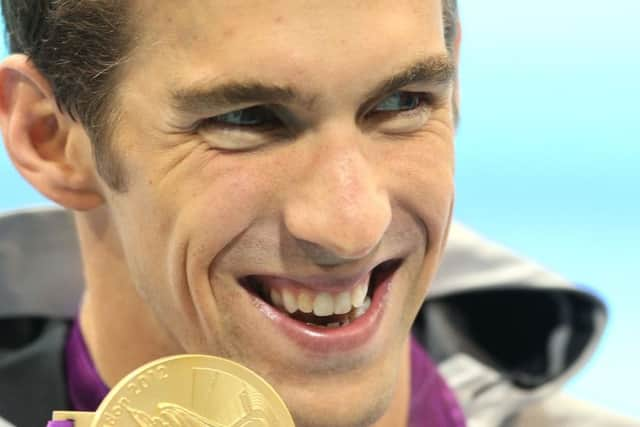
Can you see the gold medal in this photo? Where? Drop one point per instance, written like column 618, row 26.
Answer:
column 188, row 391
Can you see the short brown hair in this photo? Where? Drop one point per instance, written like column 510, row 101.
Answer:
column 79, row 45
column 450, row 18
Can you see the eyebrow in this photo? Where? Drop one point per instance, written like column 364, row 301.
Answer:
column 437, row 70
column 196, row 99
column 200, row 99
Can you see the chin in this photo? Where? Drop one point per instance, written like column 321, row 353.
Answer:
column 341, row 408
column 355, row 399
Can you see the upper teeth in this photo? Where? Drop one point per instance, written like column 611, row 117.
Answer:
column 321, row 303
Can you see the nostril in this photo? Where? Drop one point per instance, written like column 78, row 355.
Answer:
column 332, row 227
column 325, row 257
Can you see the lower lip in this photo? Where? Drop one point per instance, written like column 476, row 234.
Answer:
column 320, row 340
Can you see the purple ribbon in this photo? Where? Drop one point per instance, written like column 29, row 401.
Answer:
column 433, row 404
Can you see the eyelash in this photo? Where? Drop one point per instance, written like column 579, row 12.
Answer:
column 425, row 100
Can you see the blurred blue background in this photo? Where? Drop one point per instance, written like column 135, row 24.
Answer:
column 548, row 157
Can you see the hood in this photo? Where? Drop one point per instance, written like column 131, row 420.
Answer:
column 505, row 331
column 40, row 264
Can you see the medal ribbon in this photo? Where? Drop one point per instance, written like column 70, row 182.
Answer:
column 431, row 398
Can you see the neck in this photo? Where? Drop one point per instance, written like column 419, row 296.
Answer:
column 122, row 339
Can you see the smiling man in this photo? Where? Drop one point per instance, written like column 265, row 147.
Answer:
column 270, row 182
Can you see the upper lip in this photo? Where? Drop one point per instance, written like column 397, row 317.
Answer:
column 320, row 282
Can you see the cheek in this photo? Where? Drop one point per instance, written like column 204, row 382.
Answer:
column 223, row 205
column 421, row 179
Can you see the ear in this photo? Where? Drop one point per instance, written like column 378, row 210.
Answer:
column 47, row 147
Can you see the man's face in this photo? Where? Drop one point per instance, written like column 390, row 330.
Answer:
column 294, row 151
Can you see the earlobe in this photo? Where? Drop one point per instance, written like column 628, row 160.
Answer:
column 38, row 136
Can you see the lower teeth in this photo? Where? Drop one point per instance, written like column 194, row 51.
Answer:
column 331, row 325
column 355, row 313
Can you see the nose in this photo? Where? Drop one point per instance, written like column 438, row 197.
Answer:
column 340, row 211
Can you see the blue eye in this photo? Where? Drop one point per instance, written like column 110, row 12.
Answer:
column 400, row 101
column 247, row 117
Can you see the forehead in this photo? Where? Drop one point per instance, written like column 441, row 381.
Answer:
column 304, row 40
column 227, row 16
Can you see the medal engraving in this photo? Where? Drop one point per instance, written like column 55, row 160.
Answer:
column 243, row 405
column 144, row 380
column 192, row 391
column 244, row 401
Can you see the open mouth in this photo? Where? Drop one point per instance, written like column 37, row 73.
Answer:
column 322, row 308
